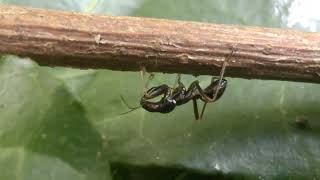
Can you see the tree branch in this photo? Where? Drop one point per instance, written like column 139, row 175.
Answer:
column 57, row 38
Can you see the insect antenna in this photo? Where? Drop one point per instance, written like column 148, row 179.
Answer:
column 128, row 106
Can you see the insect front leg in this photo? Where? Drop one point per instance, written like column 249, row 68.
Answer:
column 177, row 82
column 156, row 91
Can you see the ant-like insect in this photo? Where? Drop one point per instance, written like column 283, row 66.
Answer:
column 173, row 97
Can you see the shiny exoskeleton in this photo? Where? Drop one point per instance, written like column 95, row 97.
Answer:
column 173, row 97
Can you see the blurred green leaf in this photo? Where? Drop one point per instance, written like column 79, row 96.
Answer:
column 19, row 163
column 41, row 122
column 217, row 11
column 250, row 131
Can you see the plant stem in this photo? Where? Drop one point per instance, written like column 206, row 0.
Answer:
column 56, row 38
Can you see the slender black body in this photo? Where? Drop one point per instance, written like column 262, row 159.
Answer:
column 173, row 97
column 180, row 95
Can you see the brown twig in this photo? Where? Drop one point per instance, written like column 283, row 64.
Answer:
column 57, row 38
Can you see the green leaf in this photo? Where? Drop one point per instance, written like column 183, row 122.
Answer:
column 217, row 11
column 252, row 130
column 41, row 122
column 19, row 163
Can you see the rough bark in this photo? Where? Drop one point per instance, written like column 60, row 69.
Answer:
column 56, row 38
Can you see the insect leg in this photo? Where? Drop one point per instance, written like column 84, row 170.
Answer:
column 177, row 82
column 224, row 65
column 195, row 109
column 208, row 99
column 145, row 84
column 157, row 91
column 142, row 72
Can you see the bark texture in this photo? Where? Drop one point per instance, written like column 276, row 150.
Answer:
column 56, row 38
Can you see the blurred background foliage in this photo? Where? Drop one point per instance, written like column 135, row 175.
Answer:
column 62, row 123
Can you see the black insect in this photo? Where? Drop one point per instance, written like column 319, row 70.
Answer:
column 172, row 97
